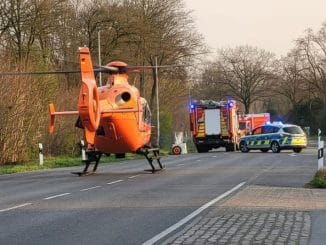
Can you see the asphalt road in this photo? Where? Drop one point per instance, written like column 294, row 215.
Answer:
column 123, row 204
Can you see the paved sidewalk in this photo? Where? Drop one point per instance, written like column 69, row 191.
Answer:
column 260, row 215
column 278, row 197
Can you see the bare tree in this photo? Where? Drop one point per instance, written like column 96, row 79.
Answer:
column 313, row 56
column 163, row 31
column 23, row 22
column 247, row 72
column 291, row 85
column 209, row 86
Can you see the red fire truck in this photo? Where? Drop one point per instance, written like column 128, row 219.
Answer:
column 248, row 122
column 214, row 124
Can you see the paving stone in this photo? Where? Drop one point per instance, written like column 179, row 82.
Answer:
column 256, row 215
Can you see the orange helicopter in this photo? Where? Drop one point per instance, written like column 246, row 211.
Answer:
column 115, row 118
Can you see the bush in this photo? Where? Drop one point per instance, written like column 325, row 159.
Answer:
column 319, row 180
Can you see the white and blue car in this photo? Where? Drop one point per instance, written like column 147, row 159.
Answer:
column 275, row 137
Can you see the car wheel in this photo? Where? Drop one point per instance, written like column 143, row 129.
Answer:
column 264, row 150
column 297, row 150
column 243, row 147
column 275, row 146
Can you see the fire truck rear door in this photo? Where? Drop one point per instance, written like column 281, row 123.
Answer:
column 212, row 122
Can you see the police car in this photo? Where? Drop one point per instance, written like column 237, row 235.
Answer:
column 275, row 137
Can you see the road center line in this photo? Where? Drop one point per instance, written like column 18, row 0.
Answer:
column 91, row 188
column 134, row 176
column 190, row 216
column 113, row 182
column 60, row 195
column 15, row 207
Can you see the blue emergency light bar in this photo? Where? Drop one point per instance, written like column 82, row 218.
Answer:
column 276, row 123
column 230, row 104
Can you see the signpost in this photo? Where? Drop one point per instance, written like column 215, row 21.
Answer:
column 83, row 152
column 40, row 151
column 320, row 152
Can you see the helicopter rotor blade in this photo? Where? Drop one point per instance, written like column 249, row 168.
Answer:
column 106, row 69
column 158, row 66
column 98, row 69
column 103, row 69
column 141, row 68
column 36, row 73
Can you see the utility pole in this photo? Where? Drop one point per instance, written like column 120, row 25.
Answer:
column 157, row 104
column 99, row 54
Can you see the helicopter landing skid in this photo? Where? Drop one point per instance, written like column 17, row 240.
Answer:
column 152, row 154
column 92, row 156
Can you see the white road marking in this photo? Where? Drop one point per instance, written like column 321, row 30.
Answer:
column 214, row 156
column 60, row 195
column 91, row 188
column 190, row 216
column 113, row 182
column 181, row 164
column 15, row 207
column 134, row 176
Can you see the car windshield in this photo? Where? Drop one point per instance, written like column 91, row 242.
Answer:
column 293, row 130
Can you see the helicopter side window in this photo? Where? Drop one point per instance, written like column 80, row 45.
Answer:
column 147, row 115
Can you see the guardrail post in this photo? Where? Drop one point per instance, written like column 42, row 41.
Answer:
column 320, row 151
column 40, row 151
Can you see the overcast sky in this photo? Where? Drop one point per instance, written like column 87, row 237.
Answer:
column 272, row 25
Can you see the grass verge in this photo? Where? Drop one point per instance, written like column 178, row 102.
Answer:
column 55, row 162
column 64, row 161
column 319, row 180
